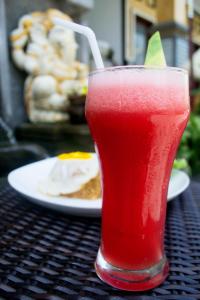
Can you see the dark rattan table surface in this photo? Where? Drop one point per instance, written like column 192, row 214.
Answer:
column 45, row 255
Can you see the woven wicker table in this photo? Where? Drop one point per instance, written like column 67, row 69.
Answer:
column 45, row 255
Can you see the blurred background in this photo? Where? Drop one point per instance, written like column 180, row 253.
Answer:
column 44, row 69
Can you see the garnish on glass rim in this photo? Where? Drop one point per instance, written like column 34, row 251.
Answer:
column 155, row 54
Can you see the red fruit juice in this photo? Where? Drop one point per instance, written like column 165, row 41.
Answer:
column 136, row 117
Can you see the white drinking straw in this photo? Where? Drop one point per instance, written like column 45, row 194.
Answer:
column 90, row 35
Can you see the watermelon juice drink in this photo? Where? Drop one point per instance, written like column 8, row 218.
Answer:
column 136, row 116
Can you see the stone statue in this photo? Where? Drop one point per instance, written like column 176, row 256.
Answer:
column 47, row 52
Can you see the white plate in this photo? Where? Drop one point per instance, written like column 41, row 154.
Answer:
column 179, row 182
column 25, row 181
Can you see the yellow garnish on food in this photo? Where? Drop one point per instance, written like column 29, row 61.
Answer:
column 74, row 155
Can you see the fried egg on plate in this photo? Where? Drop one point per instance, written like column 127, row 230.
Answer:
column 70, row 173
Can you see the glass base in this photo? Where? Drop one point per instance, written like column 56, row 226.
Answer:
column 131, row 280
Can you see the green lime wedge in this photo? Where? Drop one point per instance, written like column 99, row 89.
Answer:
column 155, row 54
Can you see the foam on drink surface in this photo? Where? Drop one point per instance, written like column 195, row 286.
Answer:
column 139, row 90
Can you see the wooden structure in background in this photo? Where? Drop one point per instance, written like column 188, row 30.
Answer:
column 170, row 18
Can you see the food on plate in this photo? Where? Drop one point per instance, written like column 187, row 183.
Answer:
column 74, row 175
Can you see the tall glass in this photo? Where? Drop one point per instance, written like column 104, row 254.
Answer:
column 137, row 116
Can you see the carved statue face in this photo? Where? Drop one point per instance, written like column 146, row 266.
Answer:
column 37, row 38
column 63, row 41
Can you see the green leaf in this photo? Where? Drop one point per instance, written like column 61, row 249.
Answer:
column 155, row 54
column 84, row 90
column 180, row 164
